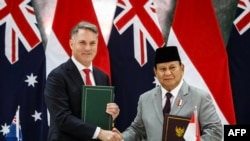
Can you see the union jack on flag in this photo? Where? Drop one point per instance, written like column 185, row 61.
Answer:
column 242, row 22
column 22, row 73
column 142, row 16
column 20, row 27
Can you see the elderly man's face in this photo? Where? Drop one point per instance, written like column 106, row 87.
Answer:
column 169, row 74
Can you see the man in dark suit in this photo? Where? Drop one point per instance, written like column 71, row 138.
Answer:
column 64, row 88
column 169, row 71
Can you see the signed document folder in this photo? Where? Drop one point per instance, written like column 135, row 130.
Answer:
column 174, row 128
column 94, row 102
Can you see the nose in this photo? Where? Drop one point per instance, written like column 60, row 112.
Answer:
column 87, row 47
column 167, row 72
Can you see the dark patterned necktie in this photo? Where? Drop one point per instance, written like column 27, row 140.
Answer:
column 167, row 106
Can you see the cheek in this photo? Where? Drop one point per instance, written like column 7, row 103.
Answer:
column 94, row 50
column 157, row 75
column 178, row 77
column 160, row 78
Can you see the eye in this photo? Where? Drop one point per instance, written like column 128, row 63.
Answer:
column 162, row 69
column 172, row 68
column 82, row 43
column 92, row 44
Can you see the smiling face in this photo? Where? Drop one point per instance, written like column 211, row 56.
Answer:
column 84, row 46
column 169, row 74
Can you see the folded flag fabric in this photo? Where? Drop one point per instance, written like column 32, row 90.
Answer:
column 192, row 132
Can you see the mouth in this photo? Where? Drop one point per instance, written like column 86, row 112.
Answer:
column 86, row 54
column 168, row 79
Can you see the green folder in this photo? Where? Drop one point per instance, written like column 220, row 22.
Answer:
column 94, row 102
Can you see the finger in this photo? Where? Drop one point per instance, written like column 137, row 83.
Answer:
column 118, row 134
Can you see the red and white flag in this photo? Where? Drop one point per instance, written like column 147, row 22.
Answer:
column 192, row 132
column 196, row 33
column 67, row 15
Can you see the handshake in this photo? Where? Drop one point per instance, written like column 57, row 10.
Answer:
column 107, row 135
column 114, row 134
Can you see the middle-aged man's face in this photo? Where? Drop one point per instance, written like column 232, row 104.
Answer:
column 84, row 46
column 169, row 74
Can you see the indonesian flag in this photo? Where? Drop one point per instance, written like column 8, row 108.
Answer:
column 67, row 15
column 193, row 129
column 197, row 35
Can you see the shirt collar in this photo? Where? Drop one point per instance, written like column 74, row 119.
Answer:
column 79, row 66
column 174, row 92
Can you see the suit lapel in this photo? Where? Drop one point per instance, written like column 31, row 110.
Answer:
column 158, row 108
column 180, row 100
column 97, row 77
column 74, row 74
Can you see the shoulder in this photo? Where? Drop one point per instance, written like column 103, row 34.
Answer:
column 196, row 94
column 99, row 71
column 198, row 91
column 62, row 68
column 187, row 89
column 150, row 93
column 101, row 78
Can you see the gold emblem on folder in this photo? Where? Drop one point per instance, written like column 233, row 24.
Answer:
column 179, row 131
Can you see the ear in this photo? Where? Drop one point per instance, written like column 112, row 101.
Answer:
column 182, row 66
column 71, row 42
column 154, row 69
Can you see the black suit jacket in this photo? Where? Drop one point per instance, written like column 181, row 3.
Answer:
column 62, row 94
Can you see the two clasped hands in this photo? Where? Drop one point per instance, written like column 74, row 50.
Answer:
column 114, row 134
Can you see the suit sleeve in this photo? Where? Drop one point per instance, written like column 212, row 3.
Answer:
column 62, row 98
column 211, row 126
column 136, row 131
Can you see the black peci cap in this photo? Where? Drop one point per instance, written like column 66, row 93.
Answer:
column 166, row 54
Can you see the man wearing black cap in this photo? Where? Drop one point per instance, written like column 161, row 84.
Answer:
column 169, row 71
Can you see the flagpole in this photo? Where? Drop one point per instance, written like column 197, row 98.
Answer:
column 196, row 121
column 17, row 122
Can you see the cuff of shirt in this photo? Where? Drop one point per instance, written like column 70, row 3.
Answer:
column 97, row 131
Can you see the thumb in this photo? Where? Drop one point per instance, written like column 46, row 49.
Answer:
column 116, row 130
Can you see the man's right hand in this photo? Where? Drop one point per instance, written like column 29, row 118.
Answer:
column 119, row 134
column 106, row 135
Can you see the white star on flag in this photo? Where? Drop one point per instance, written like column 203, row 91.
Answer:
column 31, row 80
column 156, row 82
column 5, row 129
column 37, row 116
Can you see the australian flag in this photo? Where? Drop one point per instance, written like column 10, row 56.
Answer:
column 134, row 37
column 15, row 132
column 239, row 61
column 22, row 71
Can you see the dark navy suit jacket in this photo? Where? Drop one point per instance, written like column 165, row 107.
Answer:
column 62, row 94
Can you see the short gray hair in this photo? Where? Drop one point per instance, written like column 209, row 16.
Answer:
column 84, row 25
